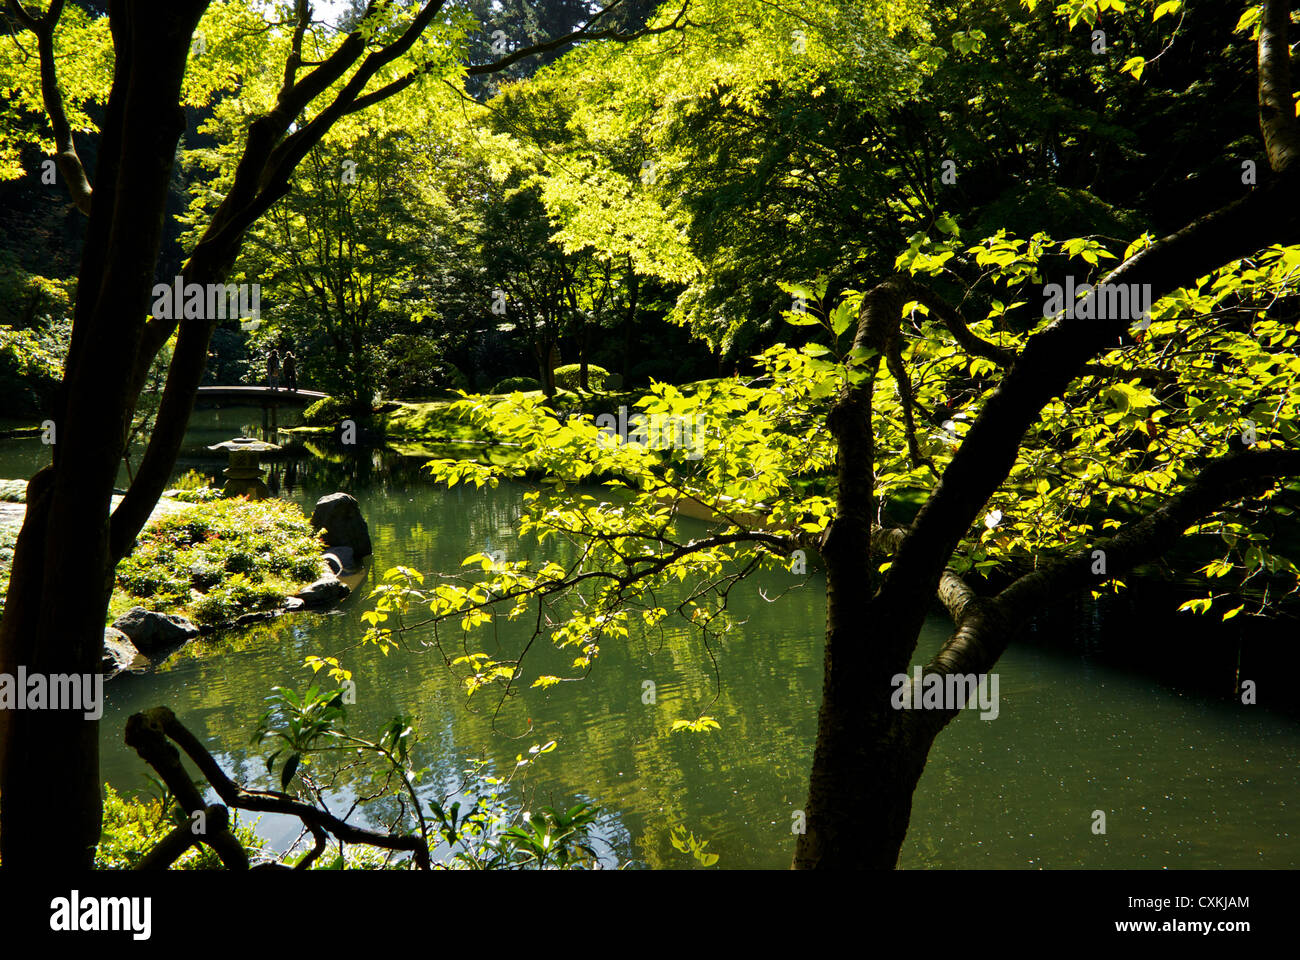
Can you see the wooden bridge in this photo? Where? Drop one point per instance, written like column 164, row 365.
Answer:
column 259, row 396
column 269, row 400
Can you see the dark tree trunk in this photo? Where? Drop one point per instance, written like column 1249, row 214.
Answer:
column 63, row 561
column 546, row 360
column 633, row 283
column 866, row 761
column 69, row 545
column 868, row 758
column 582, row 353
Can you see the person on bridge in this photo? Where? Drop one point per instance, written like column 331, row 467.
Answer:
column 290, row 371
column 273, row 368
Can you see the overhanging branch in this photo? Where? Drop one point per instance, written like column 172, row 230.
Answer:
column 954, row 592
column 988, row 625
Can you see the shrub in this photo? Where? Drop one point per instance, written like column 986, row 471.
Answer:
column 206, row 495
column 13, row 491
column 240, row 561
column 516, row 384
column 215, row 606
column 304, row 569
column 325, row 411
column 192, row 480
column 567, row 377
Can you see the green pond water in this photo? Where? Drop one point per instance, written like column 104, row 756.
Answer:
column 1185, row 780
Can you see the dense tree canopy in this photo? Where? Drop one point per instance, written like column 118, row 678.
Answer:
column 995, row 301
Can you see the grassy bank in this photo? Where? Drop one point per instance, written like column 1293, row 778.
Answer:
column 209, row 561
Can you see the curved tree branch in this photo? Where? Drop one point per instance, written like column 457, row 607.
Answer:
column 987, row 625
column 148, row 733
column 145, row 735
column 69, row 163
column 952, row 318
column 1050, row 361
column 954, row 592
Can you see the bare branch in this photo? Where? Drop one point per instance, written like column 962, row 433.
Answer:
column 954, row 592
column 294, row 61
column 951, row 318
column 147, row 733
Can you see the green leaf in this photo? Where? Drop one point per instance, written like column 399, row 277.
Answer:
column 290, row 768
column 699, row 725
column 1168, row 7
column 841, row 318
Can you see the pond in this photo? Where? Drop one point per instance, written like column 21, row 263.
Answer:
column 1185, row 778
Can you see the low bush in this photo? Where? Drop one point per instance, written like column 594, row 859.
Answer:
column 322, row 413
column 193, row 487
column 516, row 385
column 413, row 366
column 568, row 376
column 9, row 527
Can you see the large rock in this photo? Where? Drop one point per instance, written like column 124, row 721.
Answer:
column 257, row 616
column 120, row 654
column 340, row 559
column 325, row 592
column 152, row 632
column 339, row 515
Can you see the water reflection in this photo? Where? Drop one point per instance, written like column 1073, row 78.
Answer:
column 1187, row 779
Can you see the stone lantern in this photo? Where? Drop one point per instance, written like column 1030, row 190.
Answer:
column 244, row 475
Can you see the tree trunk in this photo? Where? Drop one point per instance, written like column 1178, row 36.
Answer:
column 546, row 358
column 63, row 565
column 633, row 283
column 860, row 790
column 582, row 353
column 867, row 759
